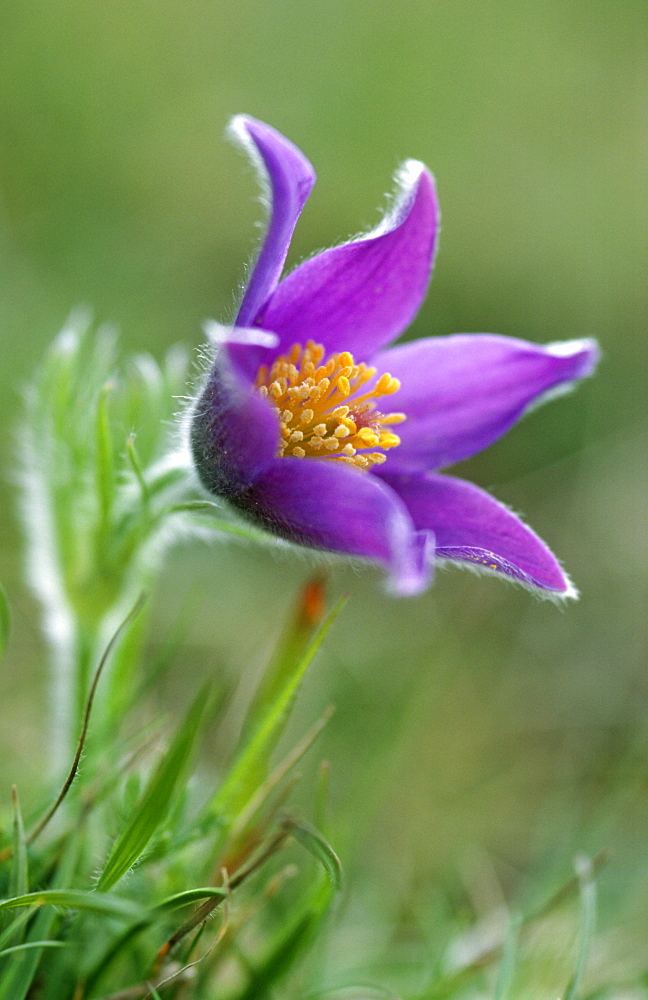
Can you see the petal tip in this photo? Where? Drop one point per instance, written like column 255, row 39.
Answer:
column 262, row 140
column 414, row 186
column 586, row 353
column 220, row 335
column 415, row 571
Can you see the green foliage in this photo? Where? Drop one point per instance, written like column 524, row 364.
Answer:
column 152, row 810
column 19, row 878
column 97, row 487
column 158, row 835
column 270, row 709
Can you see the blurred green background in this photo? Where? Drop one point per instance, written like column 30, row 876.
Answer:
column 481, row 736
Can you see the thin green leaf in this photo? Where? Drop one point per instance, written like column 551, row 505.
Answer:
column 190, row 896
column 126, row 938
column 191, row 506
column 588, row 923
column 295, row 641
column 76, row 899
column 319, row 847
column 5, row 620
column 12, row 929
column 293, row 941
column 136, row 466
column 270, row 713
column 130, row 617
column 17, row 982
column 33, row 944
column 509, row 955
column 216, row 523
column 157, row 800
column 105, row 469
column 19, row 879
column 250, row 814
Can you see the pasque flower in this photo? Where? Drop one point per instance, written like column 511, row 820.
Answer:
column 311, row 425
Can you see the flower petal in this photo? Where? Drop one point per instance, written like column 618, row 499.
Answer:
column 287, row 177
column 360, row 296
column 234, row 431
column 470, row 526
column 327, row 505
column 461, row 393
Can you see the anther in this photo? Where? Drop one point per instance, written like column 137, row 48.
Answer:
column 368, row 437
column 386, row 384
column 307, row 391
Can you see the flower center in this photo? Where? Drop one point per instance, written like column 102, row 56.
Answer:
column 322, row 411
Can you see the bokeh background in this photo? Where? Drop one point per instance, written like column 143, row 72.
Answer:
column 481, row 737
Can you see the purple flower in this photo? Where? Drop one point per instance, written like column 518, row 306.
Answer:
column 310, row 425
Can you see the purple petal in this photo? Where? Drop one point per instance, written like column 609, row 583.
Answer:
column 288, row 178
column 461, row 393
column 327, row 505
column 472, row 527
column 234, row 432
column 360, row 296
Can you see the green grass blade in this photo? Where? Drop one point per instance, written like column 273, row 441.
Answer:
column 11, row 931
column 588, row 923
column 190, row 896
column 77, row 899
column 300, row 631
column 509, row 956
column 19, row 878
column 270, row 712
column 32, row 944
column 5, row 620
column 289, row 946
column 319, row 847
column 16, row 982
column 157, row 800
column 105, row 468
column 136, row 466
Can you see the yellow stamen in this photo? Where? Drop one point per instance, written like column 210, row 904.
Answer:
column 322, row 412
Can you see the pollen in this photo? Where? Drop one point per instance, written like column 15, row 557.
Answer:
column 329, row 407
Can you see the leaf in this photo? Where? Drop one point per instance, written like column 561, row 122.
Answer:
column 509, row 955
column 15, row 984
column 219, row 524
column 190, row 896
column 584, row 871
column 271, row 707
column 105, row 468
column 157, row 800
column 292, row 941
column 19, row 879
column 319, row 847
column 76, row 899
column 33, row 944
column 5, row 620
column 167, row 905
